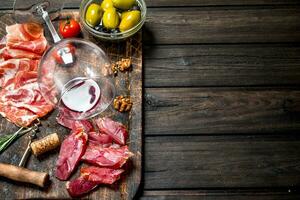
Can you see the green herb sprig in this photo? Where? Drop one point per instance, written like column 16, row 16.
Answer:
column 6, row 140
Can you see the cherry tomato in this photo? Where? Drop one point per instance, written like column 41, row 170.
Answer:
column 69, row 28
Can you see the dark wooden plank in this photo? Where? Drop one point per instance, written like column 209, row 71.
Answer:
column 171, row 3
column 217, row 195
column 126, row 84
column 221, row 110
column 222, row 25
column 222, row 162
column 219, row 65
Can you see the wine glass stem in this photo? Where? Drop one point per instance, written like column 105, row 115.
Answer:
column 51, row 28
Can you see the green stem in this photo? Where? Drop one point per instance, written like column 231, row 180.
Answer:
column 6, row 140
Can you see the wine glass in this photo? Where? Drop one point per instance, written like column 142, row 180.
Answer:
column 73, row 74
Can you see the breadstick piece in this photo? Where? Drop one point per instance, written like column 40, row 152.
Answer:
column 45, row 144
column 23, row 175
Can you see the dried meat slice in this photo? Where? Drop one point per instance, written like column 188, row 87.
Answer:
column 114, row 129
column 7, row 53
column 80, row 186
column 9, row 68
column 101, row 175
column 37, row 46
column 71, row 151
column 70, row 123
column 24, row 32
column 100, row 138
column 91, row 177
column 21, row 117
column 24, row 92
column 106, row 156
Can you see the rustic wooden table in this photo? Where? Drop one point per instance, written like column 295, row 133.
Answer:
column 221, row 99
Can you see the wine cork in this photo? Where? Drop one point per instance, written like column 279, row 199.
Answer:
column 45, row 144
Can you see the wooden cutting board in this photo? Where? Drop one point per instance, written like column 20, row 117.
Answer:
column 129, row 83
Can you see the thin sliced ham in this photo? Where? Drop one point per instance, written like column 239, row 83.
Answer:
column 101, row 175
column 24, row 93
column 21, row 117
column 37, row 46
column 9, row 53
column 21, row 101
column 24, row 32
column 9, row 68
column 71, row 151
column 70, row 123
column 100, row 138
column 90, row 178
column 80, row 186
column 106, row 156
column 114, row 129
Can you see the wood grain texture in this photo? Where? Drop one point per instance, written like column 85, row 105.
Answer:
column 222, row 65
column 222, row 25
column 171, row 3
column 218, row 195
column 185, row 111
column 222, row 162
column 126, row 84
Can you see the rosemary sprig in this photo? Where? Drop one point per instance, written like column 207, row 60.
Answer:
column 6, row 140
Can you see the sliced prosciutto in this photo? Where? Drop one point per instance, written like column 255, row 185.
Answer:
column 80, row 186
column 101, row 175
column 24, row 32
column 114, row 129
column 21, row 117
column 71, row 150
column 9, row 68
column 24, row 93
column 37, row 46
column 100, row 138
column 90, row 178
column 106, row 156
column 21, row 101
column 9, row 53
column 70, row 123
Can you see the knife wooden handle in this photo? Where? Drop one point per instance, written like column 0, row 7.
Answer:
column 23, row 175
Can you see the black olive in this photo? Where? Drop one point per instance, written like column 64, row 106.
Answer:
column 136, row 7
column 105, row 30
column 116, row 30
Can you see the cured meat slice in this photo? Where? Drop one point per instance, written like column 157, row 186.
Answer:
column 37, row 46
column 71, row 150
column 101, row 175
column 80, row 186
column 23, row 92
column 70, row 123
column 106, row 156
column 20, row 98
column 114, row 129
column 99, row 138
column 9, row 68
column 9, row 53
column 91, row 177
column 24, row 32
column 21, row 117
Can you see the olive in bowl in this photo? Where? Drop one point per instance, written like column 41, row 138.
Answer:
column 112, row 19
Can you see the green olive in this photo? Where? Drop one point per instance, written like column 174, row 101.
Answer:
column 93, row 15
column 111, row 18
column 129, row 20
column 124, row 14
column 123, row 4
column 107, row 4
